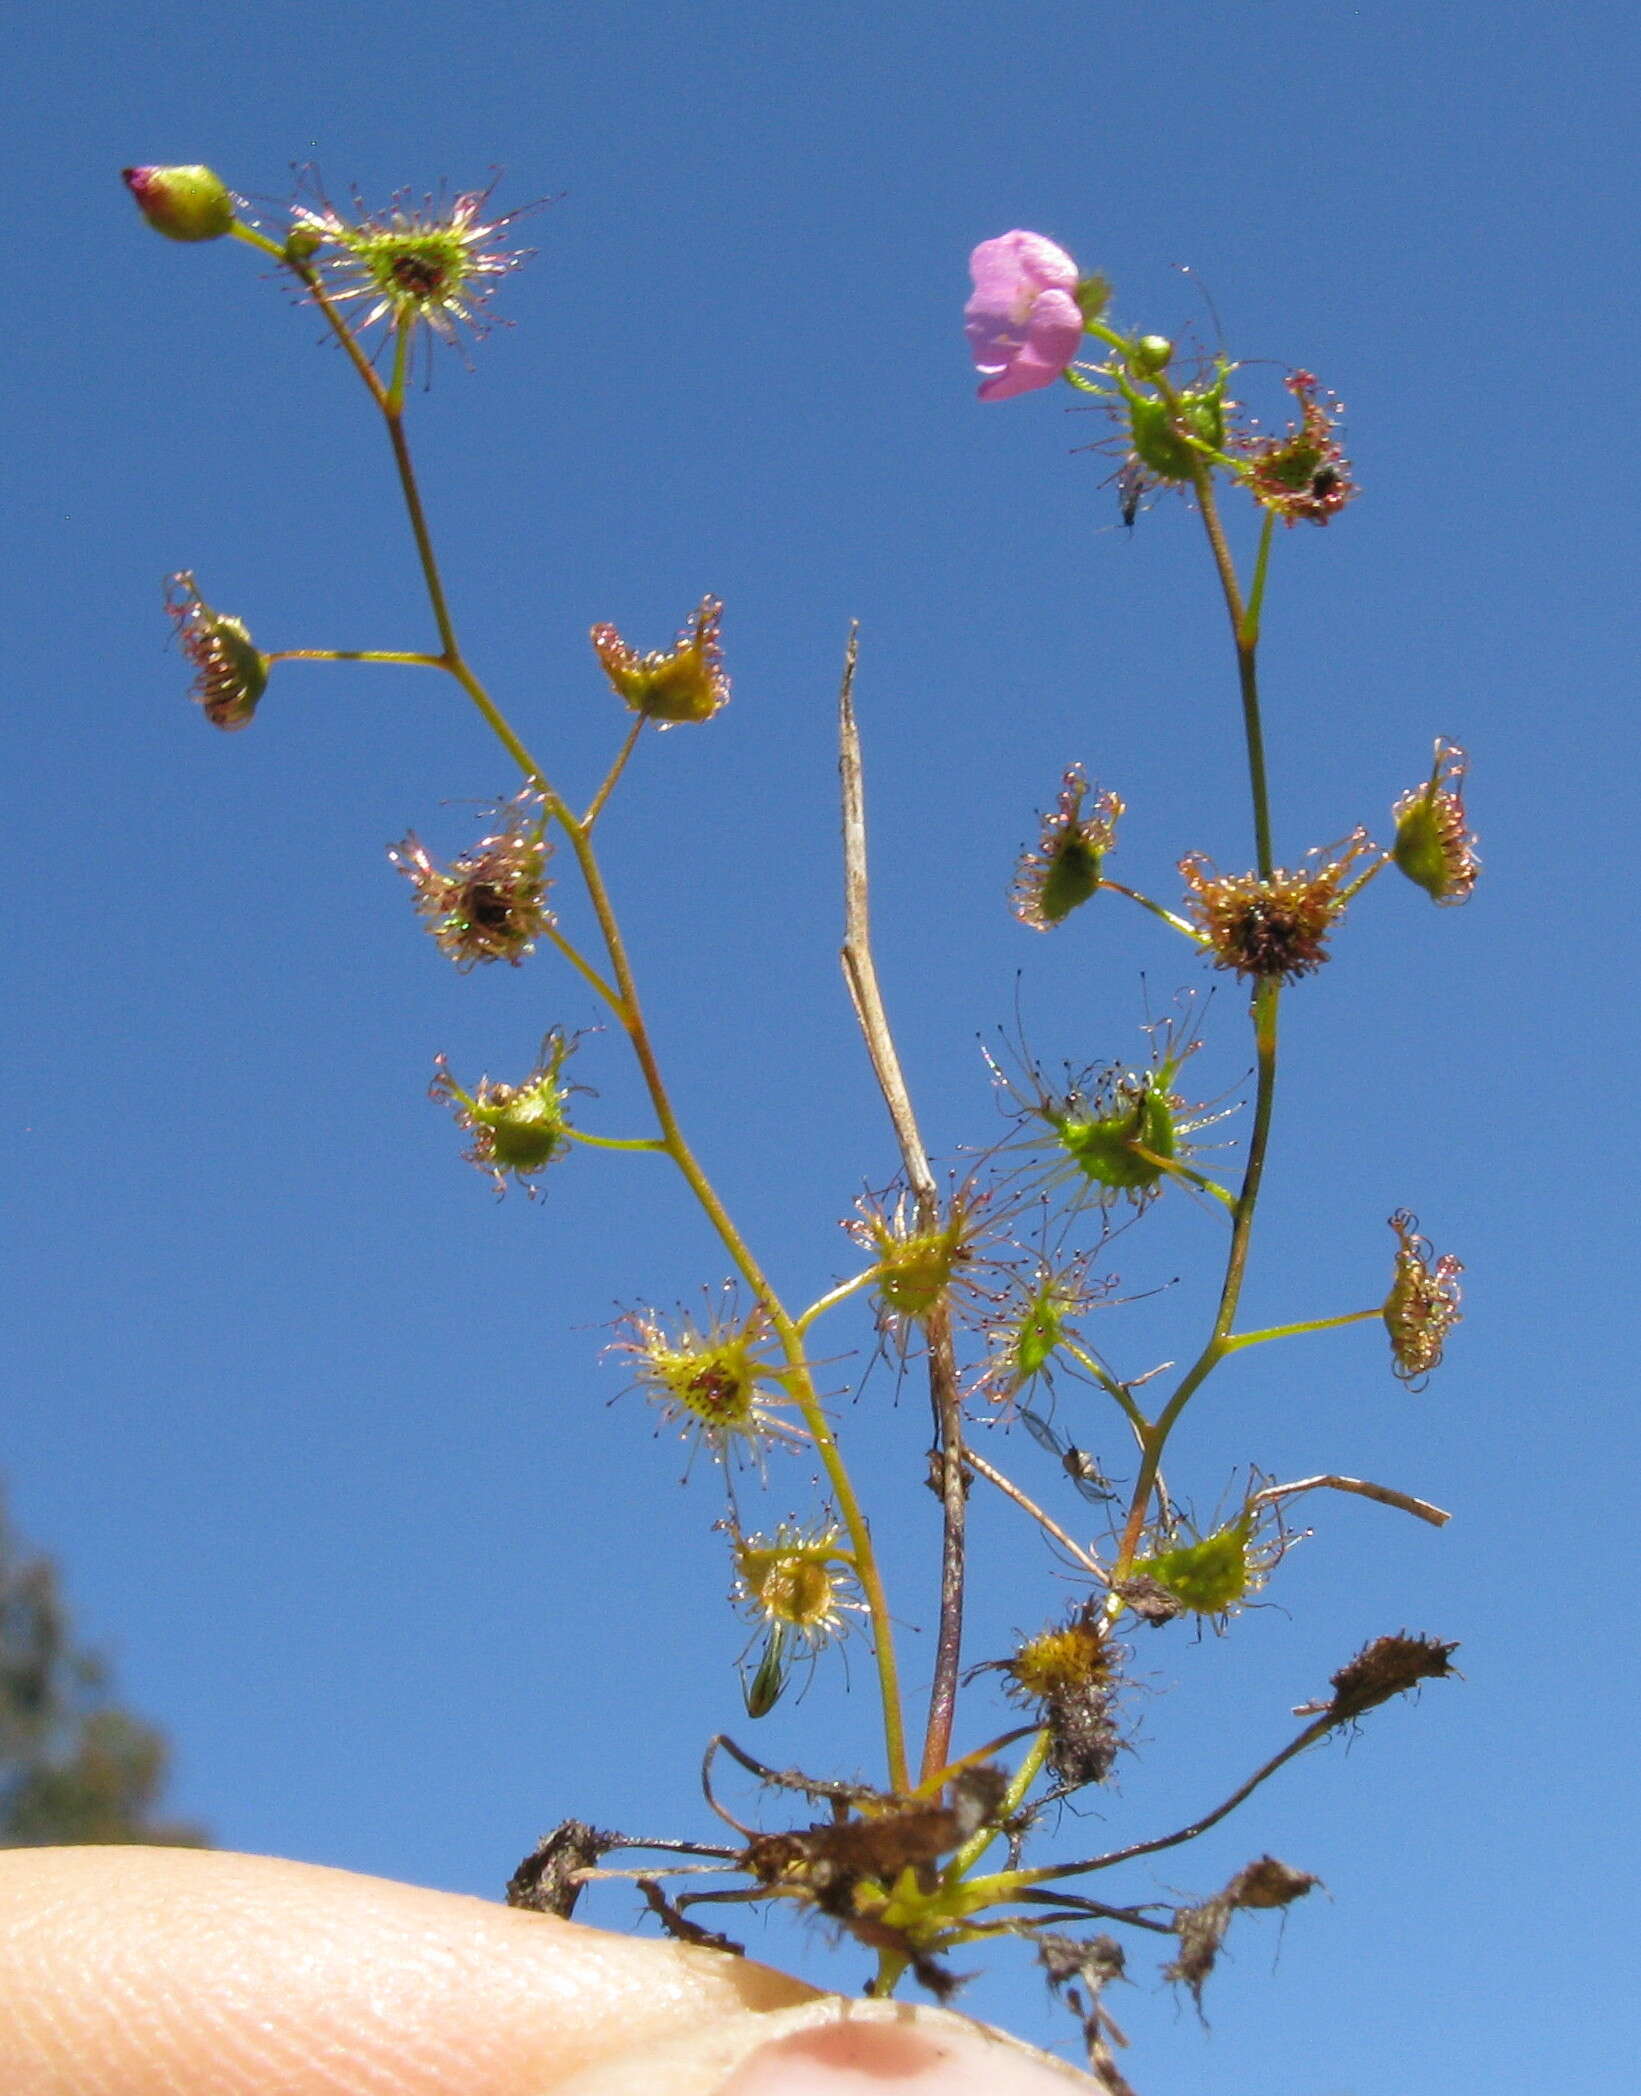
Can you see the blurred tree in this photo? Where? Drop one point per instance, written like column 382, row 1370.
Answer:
column 73, row 1766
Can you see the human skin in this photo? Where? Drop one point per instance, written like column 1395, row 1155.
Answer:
column 188, row 1972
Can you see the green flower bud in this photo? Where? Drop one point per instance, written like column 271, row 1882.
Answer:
column 302, row 242
column 1152, row 353
column 183, row 203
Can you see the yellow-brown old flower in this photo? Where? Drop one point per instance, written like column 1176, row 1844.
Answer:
column 1071, row 1674
column 1423, row 1304
column 685, row 683
column 490, row 904
column 1434, row 844
column 1273, row 926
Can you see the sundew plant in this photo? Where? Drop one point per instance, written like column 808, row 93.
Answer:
column 981, row 1274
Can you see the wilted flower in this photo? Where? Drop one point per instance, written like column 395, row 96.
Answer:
column 230, row 674
column 1423, row 1304
column 1023, row 318
column 183, row 203
column 685, row 684
column 1064, row 870
column 489, row 905
column 1434, row 846
column 1070, row 1674
column 435, row 265
column 1386, row 1667
column 1304, row 474
column 517, row 1129
column 798, row 1588
column 713, row 1378
column 1275, row 925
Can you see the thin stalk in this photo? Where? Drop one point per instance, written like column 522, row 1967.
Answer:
column 834, row 1296
column 393, row 412
column 584, row 968
column 1312, row 1732
column 1249, row 631
column 1168, row 917
column 420, row 662
column 1385, row 1495
column 1244, row 638
column 1030, row 1506
column 614, row 773
column 617, row 1142
column 1372, row 874
column 860, row 972
column 1153, row 1441
column 1110, row 1385
column 1237, row 1340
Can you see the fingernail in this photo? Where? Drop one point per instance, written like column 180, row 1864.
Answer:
column 917, row 2055
column 833, row 2047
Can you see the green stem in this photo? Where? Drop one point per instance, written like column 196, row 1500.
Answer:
column 585, row 969
column 614, row 773
column 252, row 238
column 617, row 1142
column 1155, row 1437
column 1179, row 923
column 1256, row 590
column 1347, row 895
column 1109, row 1384
column 393, row 412
column 1244, row 634
column 833, row 1297
column 421, row 662
column 1237, row 1340
column 1176, row 1170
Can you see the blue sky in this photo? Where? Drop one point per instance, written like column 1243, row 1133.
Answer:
column 320, row 1431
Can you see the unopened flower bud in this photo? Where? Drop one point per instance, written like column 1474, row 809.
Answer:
column 1153, row 353
column 303, row 242
column 183, row 203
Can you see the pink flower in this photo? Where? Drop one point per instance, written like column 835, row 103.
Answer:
column 1023, row 321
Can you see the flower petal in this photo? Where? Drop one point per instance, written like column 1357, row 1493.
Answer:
column 1041, row 351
